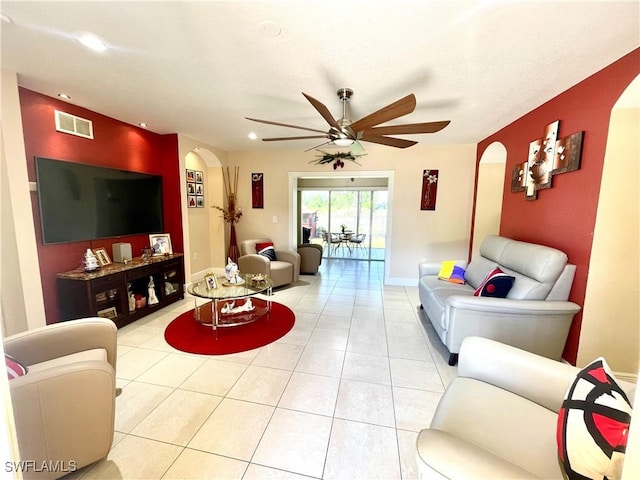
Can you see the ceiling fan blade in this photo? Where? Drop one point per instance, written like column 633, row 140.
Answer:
column 318, row 146
column 389, row 141
column 268, row 122
column 394, row 110
column 323, row 110
column 277, row 139
column 410, row 128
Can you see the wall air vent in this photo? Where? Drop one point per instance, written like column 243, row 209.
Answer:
column 74, row 125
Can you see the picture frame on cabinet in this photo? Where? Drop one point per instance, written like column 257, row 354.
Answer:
column 102, row 256
column 161, row 244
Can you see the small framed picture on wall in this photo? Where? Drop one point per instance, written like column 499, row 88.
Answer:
column 195, row 188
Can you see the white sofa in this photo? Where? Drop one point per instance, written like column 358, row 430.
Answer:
column 498, row 418
column 535, row 316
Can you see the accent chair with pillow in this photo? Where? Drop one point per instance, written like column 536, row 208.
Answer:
column 64, row 396
column 514, row 292
column 260, row 256
column 513, row 414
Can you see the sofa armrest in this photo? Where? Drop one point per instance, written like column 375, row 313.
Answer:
column 428, row 268
column 52, row 341
column 538, row 326
column 254, row 263
column 511, row 306
column 531, row 376
column 65, row 413
column 292, row 257
column 433, row 268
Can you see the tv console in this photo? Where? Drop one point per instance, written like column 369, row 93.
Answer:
column 105, row 292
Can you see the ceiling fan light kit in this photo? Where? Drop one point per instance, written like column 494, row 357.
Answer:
column 344, row 132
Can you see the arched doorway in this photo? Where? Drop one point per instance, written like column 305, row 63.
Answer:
column 610, row 325
column 491, row 182
column 203, row 228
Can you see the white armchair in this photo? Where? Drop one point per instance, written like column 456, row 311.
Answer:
column 284, row 270
column 498, row 418
column 64, row 407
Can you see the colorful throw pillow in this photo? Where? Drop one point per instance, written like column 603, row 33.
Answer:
column 14, row 368
column 593, row 425
column 497, row 284
column 266, row 250
column 451, row 272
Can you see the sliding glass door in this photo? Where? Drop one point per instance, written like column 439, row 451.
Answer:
column 347, row 223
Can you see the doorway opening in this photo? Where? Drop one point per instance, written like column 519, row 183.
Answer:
column 348, row 223
column 348, row 213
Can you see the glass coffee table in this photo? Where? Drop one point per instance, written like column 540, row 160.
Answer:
column 231, row 304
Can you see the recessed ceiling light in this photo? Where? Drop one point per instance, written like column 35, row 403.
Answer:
column 143, row 125
column 92, row 42
column 270, row 29
column 196, row 149
column 5, row 18
column 253, row 136
column 64, row 95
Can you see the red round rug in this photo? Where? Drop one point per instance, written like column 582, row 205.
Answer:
column 186, row 334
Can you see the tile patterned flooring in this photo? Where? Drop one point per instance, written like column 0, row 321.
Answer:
column 341, row 396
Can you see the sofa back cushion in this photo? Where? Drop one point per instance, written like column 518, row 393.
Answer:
column 535, row 267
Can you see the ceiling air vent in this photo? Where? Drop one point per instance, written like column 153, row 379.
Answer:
column 74, row 125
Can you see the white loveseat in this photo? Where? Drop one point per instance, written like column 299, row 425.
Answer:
column 498, row 418
column 535, row 315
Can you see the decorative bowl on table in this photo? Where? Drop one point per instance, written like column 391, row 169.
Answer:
column 258, row 279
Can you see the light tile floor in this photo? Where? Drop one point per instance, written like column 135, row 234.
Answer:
column 341, row 396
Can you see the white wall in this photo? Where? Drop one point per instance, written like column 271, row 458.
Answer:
column 415, row 235
column 491, row 178
column 203, row 228
column 22, row 300
column 610, row 319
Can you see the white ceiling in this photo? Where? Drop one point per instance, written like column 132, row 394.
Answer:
column 198, row 68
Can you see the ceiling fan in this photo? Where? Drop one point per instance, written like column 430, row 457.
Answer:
column 344, row 132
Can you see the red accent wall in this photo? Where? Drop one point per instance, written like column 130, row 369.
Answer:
column 564, row 216
column 116, row 145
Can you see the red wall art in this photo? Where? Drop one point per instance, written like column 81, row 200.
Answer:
column 257, row 190
column 429, row 190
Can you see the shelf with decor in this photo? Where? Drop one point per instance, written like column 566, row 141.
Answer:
column 107, row 292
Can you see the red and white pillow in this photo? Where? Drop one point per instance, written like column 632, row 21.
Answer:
column 266, row 250
column 593, row 425
column 497, row 284
column 15, row 369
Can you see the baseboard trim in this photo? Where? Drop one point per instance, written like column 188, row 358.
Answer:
column 627, row 377
column 401, row 282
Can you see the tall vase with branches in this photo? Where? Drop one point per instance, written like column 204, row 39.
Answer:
column 231, row 212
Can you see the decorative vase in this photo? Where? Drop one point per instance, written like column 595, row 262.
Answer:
column 233, row 245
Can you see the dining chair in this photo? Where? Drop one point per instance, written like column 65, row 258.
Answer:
column 358, row 241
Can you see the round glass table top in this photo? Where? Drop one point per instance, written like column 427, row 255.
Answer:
column 228, row 290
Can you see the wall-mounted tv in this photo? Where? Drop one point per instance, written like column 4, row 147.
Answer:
column 85, row 202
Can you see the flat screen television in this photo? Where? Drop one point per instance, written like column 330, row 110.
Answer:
column 85, row 202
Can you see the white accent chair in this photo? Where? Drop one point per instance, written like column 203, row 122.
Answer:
column 498, row 418
column 64, row 407
column 284, row 270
